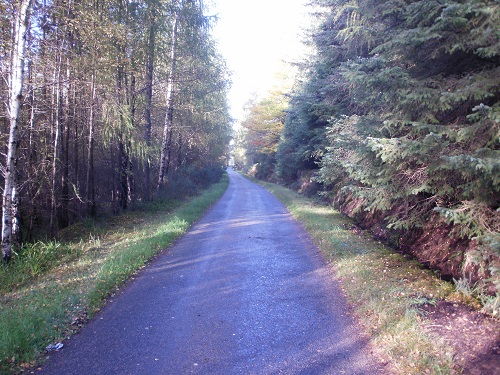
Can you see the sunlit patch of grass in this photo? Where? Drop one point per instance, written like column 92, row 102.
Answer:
column 383, row 287
column 32, row 261
column 74, row 276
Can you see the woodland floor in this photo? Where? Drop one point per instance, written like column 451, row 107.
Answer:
column 475, row 337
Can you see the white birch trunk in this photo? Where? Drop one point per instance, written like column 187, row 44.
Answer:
column 169, row 103
column 16, row 77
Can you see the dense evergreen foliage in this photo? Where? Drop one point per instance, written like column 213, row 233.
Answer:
column 400, row 116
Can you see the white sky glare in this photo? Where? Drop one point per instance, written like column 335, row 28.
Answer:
column 255, row 37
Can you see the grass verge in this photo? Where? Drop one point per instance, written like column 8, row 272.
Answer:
column 43, row 305
column 384, row 288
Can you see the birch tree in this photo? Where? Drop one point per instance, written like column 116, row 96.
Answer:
column 102, row 84
column 16, row 77
column 169, row 102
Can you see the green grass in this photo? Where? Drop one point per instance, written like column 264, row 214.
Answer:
column 384, row 288
column 51, row 288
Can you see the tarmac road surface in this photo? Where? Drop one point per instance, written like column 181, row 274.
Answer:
column 243, row 292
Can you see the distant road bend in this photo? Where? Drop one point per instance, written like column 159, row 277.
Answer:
column 243, row 292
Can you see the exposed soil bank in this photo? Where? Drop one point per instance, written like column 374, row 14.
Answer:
column 475, row 337
column 436, row 245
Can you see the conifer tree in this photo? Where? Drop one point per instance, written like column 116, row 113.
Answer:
column 407, row 96
column 92, row 107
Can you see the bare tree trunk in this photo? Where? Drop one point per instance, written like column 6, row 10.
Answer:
column 130, row 175
column 179, row 152
column 16, row 78
column 149, row 100
column 64, row 215
column 114, row 189
column 122, row 151
column 123, row 175
column 89, row 182
column 169, row 152
column 56, row 146
column 130, row 100
column 65, row 126
column 31, row 163
column 16, row 222
column 170, row 105
column 76, row 149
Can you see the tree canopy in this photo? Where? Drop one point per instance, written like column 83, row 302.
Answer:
column 398, row 114
column 94, row 104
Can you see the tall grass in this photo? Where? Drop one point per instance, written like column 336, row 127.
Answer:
column 384, row 288
column 50, row 288
column 32, row 261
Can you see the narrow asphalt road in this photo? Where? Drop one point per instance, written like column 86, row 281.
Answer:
column 243, row 292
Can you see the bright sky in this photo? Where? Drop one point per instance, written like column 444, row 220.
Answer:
column 255, row 36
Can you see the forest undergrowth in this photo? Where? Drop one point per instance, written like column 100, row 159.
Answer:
column 51, row 288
